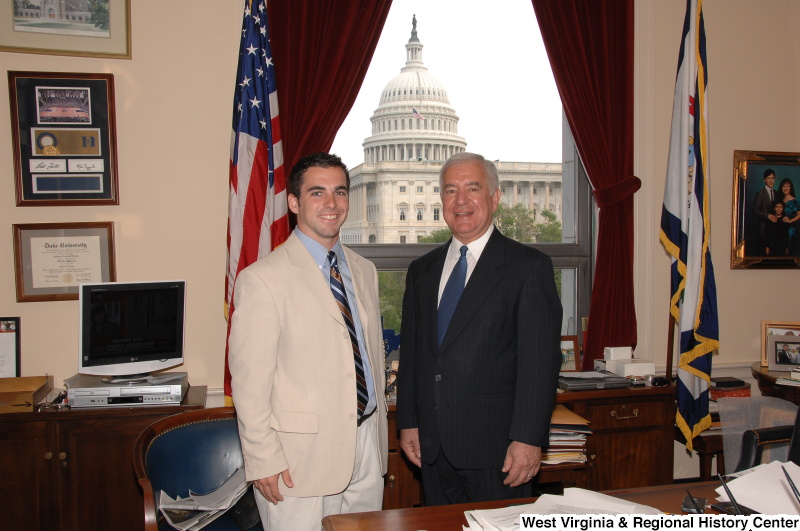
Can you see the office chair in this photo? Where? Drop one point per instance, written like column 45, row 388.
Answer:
column 194, row 450
column 754, row 442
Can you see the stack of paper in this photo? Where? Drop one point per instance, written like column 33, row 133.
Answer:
column 568, row 433
column 199, row 510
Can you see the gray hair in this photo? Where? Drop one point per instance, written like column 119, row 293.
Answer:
column 489, row 169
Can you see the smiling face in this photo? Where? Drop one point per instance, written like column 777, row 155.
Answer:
column 468, row 203
column 323, row 204
column 786, row 188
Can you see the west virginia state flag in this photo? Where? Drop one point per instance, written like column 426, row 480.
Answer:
column 685, row 229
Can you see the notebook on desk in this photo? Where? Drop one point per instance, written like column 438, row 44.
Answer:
column 588, row 381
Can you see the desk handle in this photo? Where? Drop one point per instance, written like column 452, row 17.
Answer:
column 635, row 414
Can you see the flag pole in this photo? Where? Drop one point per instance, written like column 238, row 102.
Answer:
column 670, row 345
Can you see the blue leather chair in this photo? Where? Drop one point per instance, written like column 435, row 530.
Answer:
column 195, row 450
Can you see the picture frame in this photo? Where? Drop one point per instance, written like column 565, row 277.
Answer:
column 783, row 352
column 10, row 347
column 52, row 259
column 64, row 138
column 570, row 354
column 776, row 328
column 756, row 240
column 105, row 32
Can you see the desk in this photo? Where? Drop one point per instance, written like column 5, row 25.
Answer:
column 667, row 498
column 767, row 383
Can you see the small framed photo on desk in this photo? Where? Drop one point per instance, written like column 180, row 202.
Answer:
column 783, row 352
column 570, row 354
column 9, row 347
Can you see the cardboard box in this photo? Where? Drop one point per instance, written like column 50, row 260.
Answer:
column 600, row 365
column 631, row 367
column 21, row 394
column 617, row 353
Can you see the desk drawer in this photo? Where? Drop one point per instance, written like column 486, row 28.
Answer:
column 625, row 415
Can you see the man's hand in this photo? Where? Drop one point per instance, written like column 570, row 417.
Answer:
column 522, row 463
column 772, row 217
column 269, row 486
column 409, row 442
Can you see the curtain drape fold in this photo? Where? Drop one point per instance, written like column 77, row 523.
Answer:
column 590, row 46
column 322, row 50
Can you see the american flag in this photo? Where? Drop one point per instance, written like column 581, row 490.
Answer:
column 415, row 113
column 257, row 210
column 686, row 229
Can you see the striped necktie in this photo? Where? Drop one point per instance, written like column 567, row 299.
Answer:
column 452, row 294
column 337, row 287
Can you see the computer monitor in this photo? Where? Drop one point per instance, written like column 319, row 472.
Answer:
column 131, row 329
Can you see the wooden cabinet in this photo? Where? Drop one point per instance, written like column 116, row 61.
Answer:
column 630, row 446
column 73, row 470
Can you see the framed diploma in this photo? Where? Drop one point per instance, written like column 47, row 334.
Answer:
column 64, row 138
column 52, row 259
column 9, row 347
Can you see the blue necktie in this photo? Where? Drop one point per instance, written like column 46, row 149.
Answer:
column 452, row 294
column 337, row 287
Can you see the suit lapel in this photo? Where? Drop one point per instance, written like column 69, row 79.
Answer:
column 310, row 278
column 487, row 274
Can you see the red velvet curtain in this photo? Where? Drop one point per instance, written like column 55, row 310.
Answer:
column 322, row 50
column 590, row 46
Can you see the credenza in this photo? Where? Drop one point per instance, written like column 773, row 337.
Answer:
column 631, row 445
column 72, row 470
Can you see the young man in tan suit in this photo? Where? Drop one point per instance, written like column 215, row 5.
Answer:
column 307, row 372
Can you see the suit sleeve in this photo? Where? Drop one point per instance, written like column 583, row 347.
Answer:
column 538, row 355
column 252, row 356
column 406, row 390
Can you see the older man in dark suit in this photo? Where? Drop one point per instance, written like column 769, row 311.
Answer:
column 480, row 350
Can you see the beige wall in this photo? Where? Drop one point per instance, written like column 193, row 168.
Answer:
column 173, row 120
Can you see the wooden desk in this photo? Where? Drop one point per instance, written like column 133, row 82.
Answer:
column 769, row 387
column 667, row 498
column 629, row 427
column 73, row 469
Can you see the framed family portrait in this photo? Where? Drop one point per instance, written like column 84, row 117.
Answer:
column 9, row 347
column 97, row 28
column 766, row 210
column 788, row 331
column 64, row 138
column 52, row 259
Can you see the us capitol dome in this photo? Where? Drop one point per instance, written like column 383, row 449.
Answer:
column 394, row 194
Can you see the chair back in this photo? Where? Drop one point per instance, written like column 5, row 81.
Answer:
column 194, row 450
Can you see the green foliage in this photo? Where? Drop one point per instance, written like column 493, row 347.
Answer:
column 99, row 11
column 515, row 222
column 391, row 286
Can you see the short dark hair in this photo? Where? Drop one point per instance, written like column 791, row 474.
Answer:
column 315, row 160
column 768, row 172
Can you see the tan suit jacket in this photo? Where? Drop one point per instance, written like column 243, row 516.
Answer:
column 292, row 370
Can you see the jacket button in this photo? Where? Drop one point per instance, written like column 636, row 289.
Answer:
column 438, row 377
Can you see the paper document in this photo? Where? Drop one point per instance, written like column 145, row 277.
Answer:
column 574, row 501
column 199, row 510
column 764, row 489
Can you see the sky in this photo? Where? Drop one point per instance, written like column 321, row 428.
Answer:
column 492, row 63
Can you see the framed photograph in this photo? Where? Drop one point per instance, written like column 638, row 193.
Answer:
column 9, row 347
column 52, row 259
column 64, row 138
column 783, row 352
column 570, row 354
column 100, row 28
column 766, row 210
column 776, row 329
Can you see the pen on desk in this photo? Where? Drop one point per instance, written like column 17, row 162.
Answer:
column 730, row 495
column 697, row 508
column 791, row 483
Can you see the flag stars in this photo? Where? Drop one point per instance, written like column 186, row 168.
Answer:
column 255, row 103
column 260, row 72
column 245, row 82
column 251, row 50
column 263, row 124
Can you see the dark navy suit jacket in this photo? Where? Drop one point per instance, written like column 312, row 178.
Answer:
column 494, row 378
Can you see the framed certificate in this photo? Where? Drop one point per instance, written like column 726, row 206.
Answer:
column 64, row 138
column 9, row 347
column 52, row 259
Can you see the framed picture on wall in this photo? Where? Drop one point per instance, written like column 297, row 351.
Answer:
column 766, row 217
column 64, row 138
column 100, row 28
column 771, row 329
column 51, row 260
column 9, row 347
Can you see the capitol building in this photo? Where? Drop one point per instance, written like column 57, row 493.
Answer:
column 394, row 193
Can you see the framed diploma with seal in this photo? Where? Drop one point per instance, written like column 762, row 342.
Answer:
column 9, row 347
column 52, row 259
column 64, row 138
